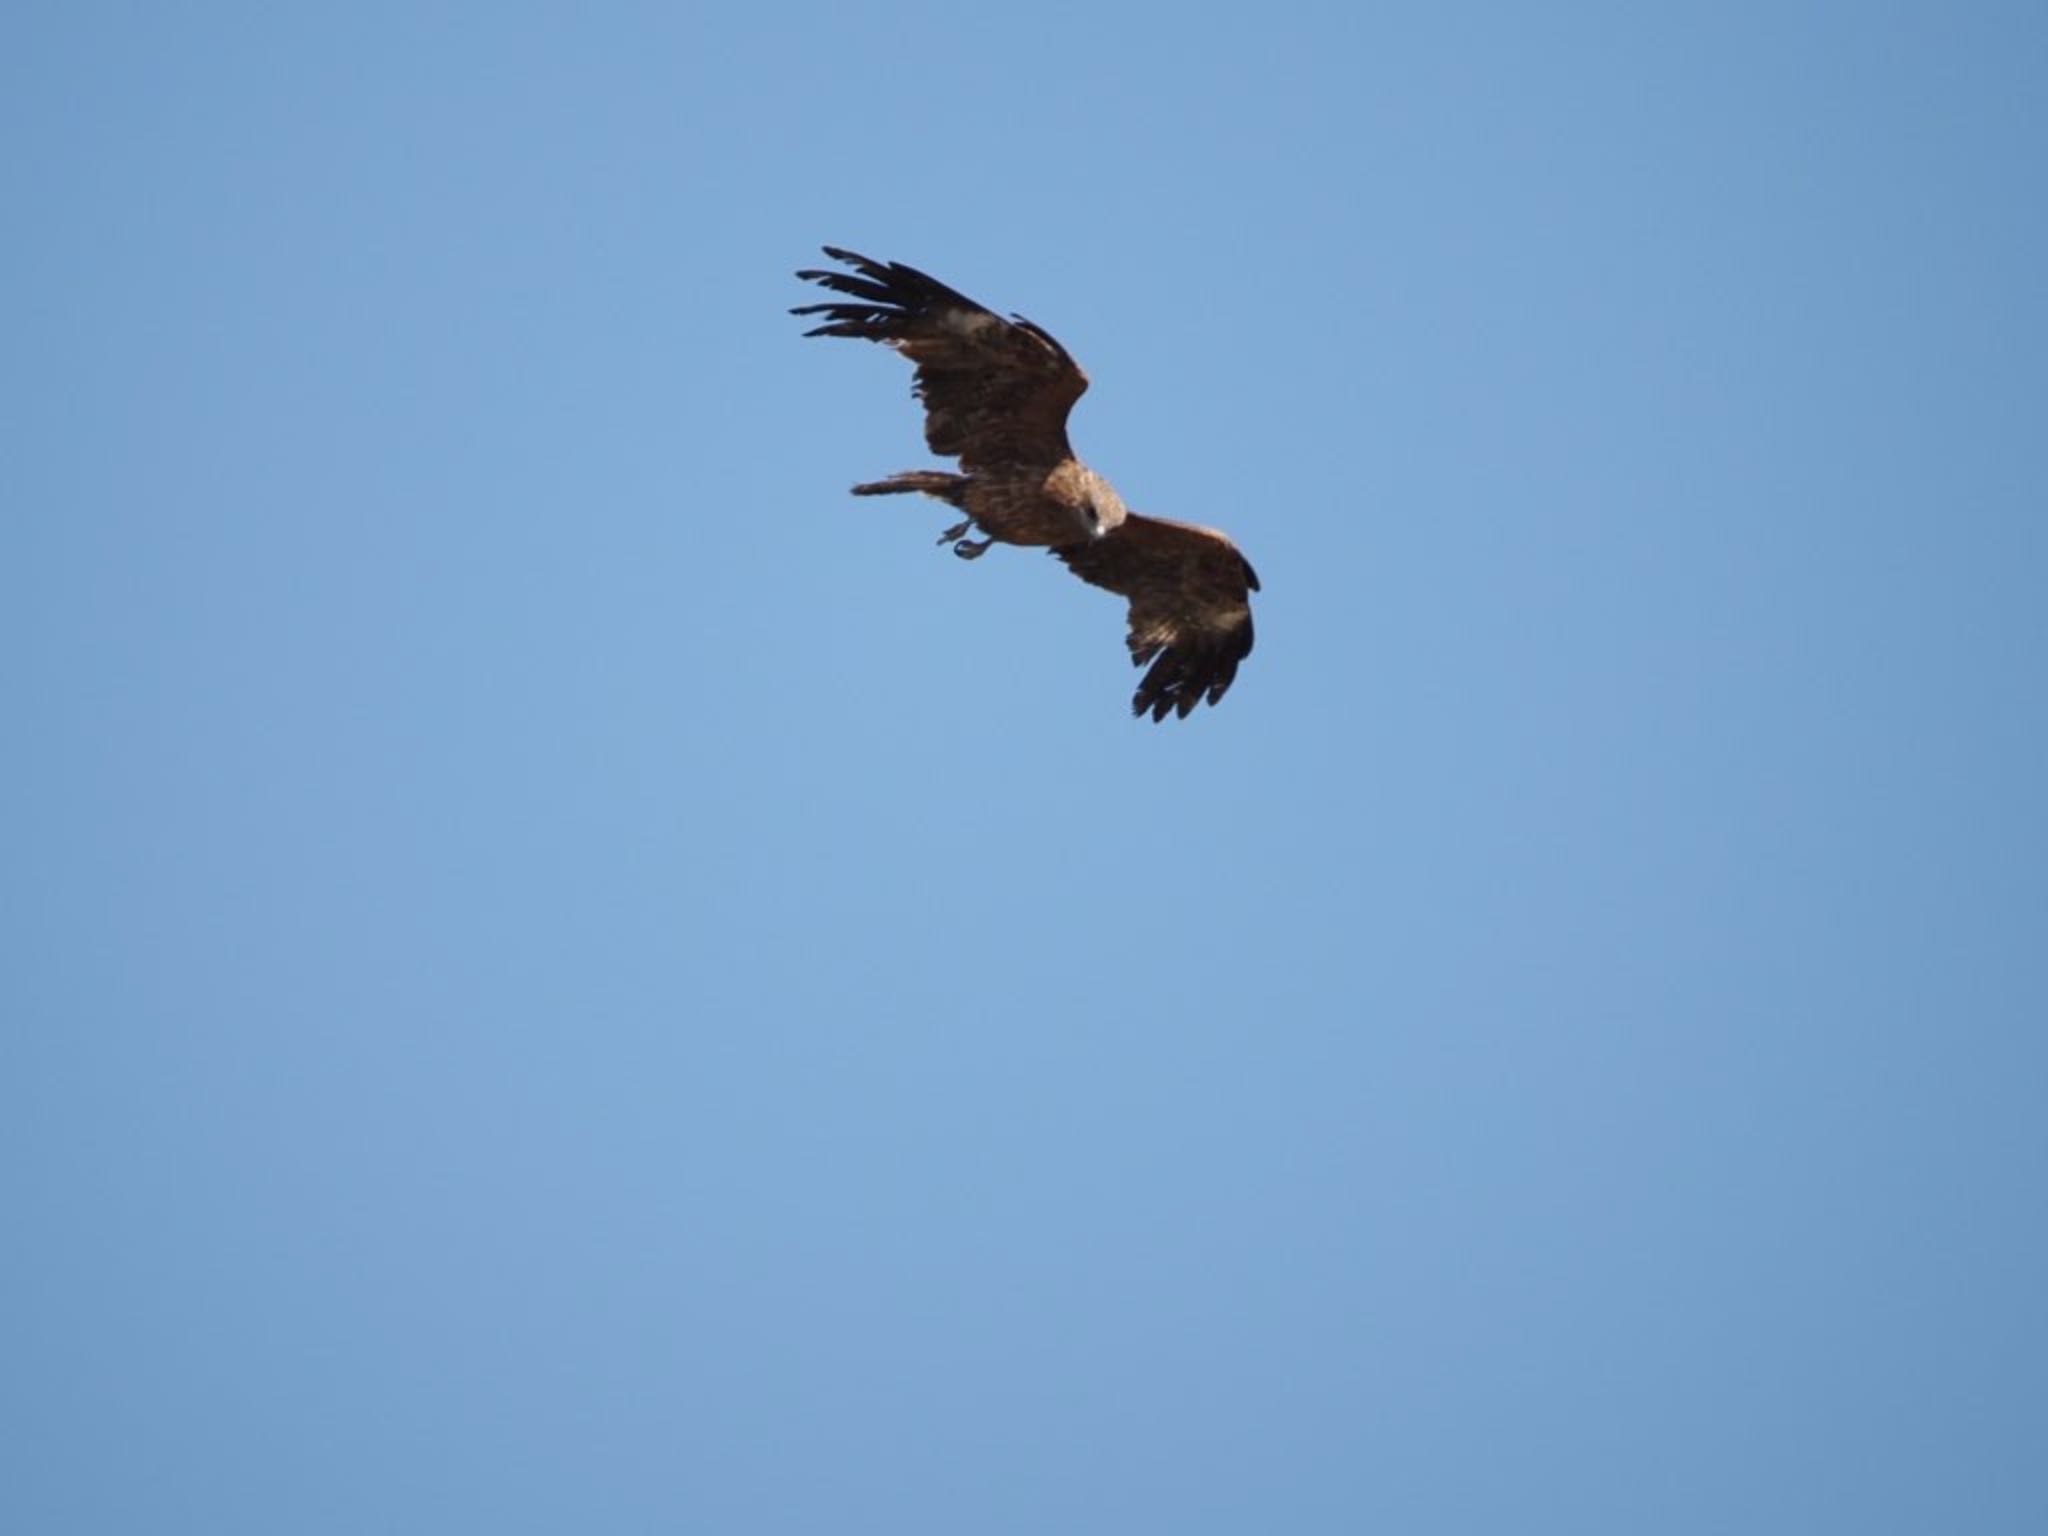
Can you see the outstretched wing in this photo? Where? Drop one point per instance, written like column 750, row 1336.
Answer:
column 995, row 391
column 1191, row 613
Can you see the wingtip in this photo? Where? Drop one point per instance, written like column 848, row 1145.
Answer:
column 840, row 253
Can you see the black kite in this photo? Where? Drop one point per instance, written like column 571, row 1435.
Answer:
column 996, row 395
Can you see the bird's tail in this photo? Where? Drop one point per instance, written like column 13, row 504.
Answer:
column 949, row 488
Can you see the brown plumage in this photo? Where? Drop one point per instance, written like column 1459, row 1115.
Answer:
column 996, row 395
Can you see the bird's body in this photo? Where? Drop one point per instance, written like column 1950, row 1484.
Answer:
column 1018, row 504
column 996, row 394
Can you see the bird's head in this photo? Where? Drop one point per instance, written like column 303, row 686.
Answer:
column 1102, row 509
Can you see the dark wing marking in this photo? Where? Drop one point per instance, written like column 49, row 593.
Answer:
column 995, row 391
column 1191, row 615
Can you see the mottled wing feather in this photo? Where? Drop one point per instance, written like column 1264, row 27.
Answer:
column 996, row 392
column 1190, row 613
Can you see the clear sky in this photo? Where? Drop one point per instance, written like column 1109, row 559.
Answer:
column 563, row 975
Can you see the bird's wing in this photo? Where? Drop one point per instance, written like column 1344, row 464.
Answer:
column 995, row 391
column 1191, row 615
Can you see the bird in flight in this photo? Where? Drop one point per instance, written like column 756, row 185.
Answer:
column 996, row 395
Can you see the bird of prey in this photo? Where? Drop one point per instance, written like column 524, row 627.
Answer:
column 996, row 395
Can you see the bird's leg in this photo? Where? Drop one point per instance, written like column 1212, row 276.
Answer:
column 963, row 546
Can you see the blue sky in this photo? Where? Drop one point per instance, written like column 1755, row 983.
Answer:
column 564, row 975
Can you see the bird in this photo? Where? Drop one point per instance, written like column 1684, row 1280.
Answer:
column 996, row 395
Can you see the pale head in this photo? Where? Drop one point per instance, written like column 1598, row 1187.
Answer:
column 1102, row 509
